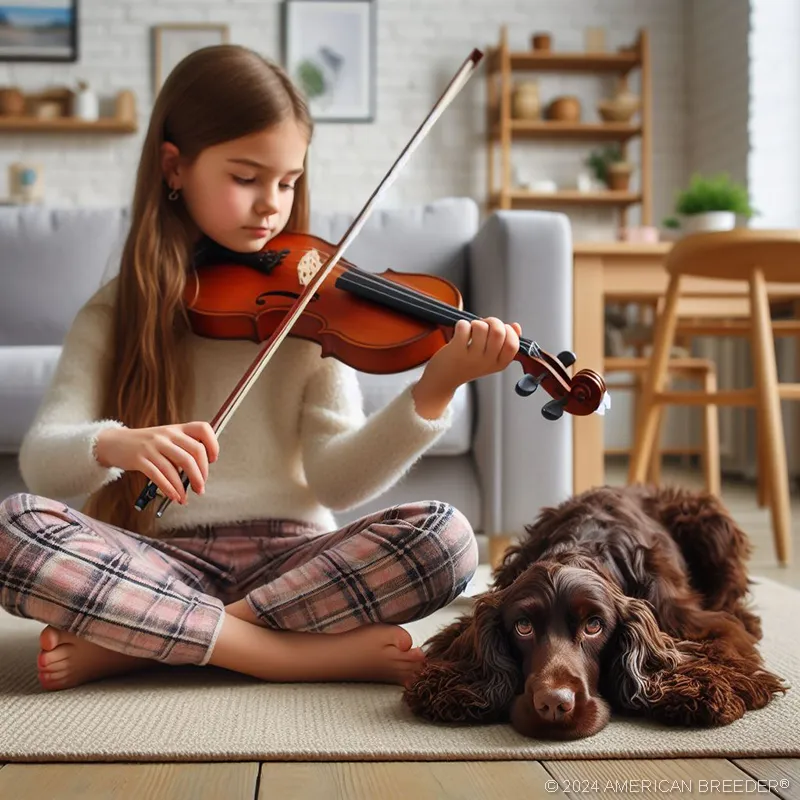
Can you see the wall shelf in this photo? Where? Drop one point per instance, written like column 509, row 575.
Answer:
column 549, row 129
column 523, row 198
column 502, row 129
column 65, row 125
column 123, row 121
column 536, row 61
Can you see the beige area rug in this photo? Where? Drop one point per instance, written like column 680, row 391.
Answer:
column 205, row 714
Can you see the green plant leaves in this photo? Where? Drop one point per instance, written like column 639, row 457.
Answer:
column 714, row 193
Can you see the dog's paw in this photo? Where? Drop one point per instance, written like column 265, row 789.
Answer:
column 441, row 694
column 703, row 693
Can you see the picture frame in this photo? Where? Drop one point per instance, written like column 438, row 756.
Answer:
column 329, row 51
column 39, row 30
column 172, row 42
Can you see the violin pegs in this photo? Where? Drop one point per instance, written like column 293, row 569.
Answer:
column 567, row 358
column 527, row 385
column 554, row 409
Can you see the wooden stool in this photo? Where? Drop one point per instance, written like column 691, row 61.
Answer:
column 701, row 369
column 758, row 257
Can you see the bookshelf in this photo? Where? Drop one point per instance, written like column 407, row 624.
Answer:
column 503, row 129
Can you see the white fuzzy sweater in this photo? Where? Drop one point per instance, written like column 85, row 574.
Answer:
column 298, row 446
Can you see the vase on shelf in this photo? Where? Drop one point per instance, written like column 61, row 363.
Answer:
column 619, row 176
column 85, row 104
column 526, row 103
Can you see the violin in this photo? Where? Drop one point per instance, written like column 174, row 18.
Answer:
column 301, row 285
column 378, row 323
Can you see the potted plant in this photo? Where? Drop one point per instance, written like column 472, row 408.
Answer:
column 712, row 203
column 670, row 229
column 610, row 167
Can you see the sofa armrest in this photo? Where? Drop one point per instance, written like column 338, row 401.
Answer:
column 520, row 270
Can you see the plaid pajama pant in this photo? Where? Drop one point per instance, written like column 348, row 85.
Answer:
column 164, row 598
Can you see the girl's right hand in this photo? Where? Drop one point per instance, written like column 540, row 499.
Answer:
column 161, row 452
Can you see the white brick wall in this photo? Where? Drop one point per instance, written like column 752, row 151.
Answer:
column 743, row 115
column 774, row 162
column 420, row 45
column 718, row 87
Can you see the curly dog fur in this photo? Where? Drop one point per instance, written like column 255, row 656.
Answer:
column 631, row 600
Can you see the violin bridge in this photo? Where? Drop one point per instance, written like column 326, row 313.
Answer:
column 308, row 266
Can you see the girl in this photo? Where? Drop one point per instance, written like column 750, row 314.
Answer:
column 248, row 574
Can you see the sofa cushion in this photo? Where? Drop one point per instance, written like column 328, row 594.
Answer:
column 25, row 373
column 52, row 261
column 430, row 238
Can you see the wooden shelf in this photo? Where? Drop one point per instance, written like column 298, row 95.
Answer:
column 521, row 198
column 503, row 130
column 591, row 131
column 121, row 118
column 65, row 125
column 535, row 61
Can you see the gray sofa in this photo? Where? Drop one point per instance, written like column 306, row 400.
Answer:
column 500, row 462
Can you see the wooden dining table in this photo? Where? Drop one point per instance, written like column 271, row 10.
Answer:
column 612, row 272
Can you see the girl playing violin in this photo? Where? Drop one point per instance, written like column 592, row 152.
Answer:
column 249, row 572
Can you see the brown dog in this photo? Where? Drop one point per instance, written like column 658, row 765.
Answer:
column 626, row 599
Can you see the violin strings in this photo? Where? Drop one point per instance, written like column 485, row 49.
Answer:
column 447, row 313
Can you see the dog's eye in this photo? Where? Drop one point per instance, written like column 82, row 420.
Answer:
column 523, row 626
column 593, row 626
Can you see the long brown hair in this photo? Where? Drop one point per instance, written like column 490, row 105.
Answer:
column 212, row 96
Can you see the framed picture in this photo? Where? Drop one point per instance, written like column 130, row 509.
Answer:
column 39, row 30
column 329, row 52
column 173, row 42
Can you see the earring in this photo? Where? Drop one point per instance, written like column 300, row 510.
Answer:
column 173, row 195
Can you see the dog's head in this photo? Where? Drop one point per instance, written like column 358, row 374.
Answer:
column 551, row 653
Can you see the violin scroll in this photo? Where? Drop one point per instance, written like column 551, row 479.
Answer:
column 582, row 394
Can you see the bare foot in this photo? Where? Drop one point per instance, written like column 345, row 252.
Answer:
column 376, row 653
column 67, row 660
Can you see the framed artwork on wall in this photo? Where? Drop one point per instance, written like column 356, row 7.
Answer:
column 39, row 30
column 329, row 51
column 174, row 41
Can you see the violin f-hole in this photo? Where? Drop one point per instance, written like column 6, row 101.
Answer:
column 262, row 298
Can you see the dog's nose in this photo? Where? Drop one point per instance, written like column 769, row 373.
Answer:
column 553, row 704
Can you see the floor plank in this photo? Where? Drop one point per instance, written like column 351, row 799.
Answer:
column 626, row 778
column 231, row 780
column 423, row 780
column 780, row 775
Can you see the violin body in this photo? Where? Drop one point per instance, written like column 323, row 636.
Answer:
column 234, row 301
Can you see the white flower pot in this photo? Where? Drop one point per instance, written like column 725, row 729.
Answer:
column 709, row 221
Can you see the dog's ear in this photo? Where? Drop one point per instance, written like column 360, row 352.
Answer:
column 636, row 658
column 470, row 674
column 680, row 682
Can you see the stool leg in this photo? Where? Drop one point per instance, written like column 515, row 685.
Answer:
column 648, row 418
column 761, row 467
column 769, row 406
column 711, row 465
column 654, row 465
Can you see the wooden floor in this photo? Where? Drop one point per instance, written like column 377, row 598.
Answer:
column 515, row 780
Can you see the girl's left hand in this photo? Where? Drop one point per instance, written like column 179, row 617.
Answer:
column 478, row 348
